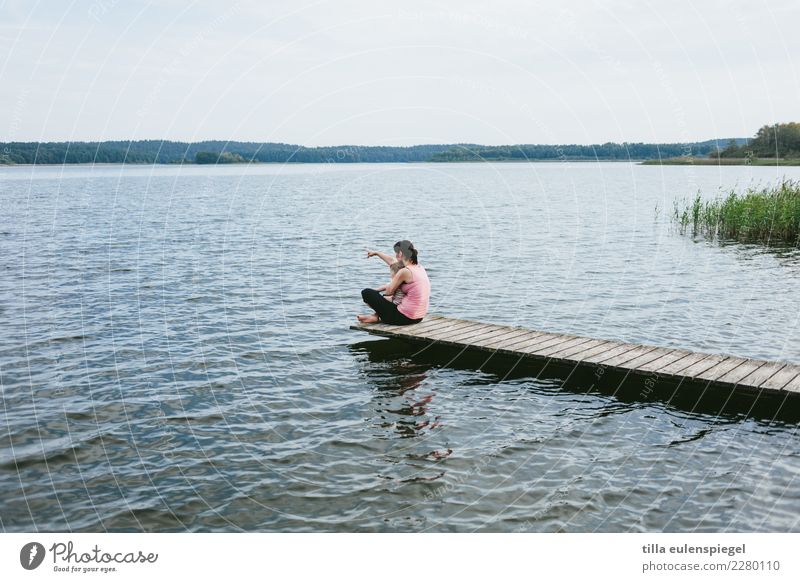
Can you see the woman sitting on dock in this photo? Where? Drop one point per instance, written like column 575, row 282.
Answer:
column 411, row 280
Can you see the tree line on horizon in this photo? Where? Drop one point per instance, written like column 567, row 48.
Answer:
column 172, row 152
column 780, row 141
column 606, row 151
column 220, row 152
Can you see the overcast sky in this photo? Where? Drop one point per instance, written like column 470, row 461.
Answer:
column 396, row 73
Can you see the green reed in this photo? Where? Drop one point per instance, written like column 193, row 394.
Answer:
column 769, row 214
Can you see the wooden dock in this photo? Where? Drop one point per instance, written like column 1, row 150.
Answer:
column 740, row 373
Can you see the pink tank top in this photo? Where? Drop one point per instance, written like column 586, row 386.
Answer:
column 418, row 292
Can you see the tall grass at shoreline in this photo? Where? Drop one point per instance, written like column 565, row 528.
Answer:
column 769, row 215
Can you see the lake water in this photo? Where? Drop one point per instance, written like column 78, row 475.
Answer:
column 175, row 352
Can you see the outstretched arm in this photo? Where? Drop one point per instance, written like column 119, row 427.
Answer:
column 388, row 259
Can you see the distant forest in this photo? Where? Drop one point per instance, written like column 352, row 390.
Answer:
column 206, row 152
column 606, row 151
column 781, row 141
column 222, row 152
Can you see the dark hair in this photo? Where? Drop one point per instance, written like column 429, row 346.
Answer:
column 408, row 250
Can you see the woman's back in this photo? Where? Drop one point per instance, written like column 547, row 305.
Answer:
column 415, row 303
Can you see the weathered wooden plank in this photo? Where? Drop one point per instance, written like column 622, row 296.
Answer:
column 484, row 327
column 428, row 321
column 525, row 342
column 793, row 385
column 622, row 359
column 485, row 334
column 428, row 337
column 701, row 366
column 566, row 353
column 727, row 365
column 781, row 378
column 678, row 366
column 383, row 326
column 512, row 333
column 554, row 341
column 416, row 328
column 544, row 343
column 665, row 360
column 470, row 336
column 761, row 375
column 646, row 358
column 535, row 339
column 560, row 347
column 426, row 327
column 433, row 335
column 595, row 351
column 460, row 327
column 617, row 351
column 511, row 338
column 461, row 324
column 490, row 335
column 740, row 372
column 453, row 334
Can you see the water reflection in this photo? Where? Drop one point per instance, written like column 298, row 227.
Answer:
column 404, row 408
column 787, row 256
column 397, row 381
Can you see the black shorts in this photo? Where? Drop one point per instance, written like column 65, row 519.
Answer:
column 386, row 310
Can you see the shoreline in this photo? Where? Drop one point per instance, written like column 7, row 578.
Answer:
column 637, row 161
column 91, row 164
column 721, row 162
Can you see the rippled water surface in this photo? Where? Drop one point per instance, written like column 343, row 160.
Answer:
column 175, row 352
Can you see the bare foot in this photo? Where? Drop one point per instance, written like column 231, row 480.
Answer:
column 368, row 318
